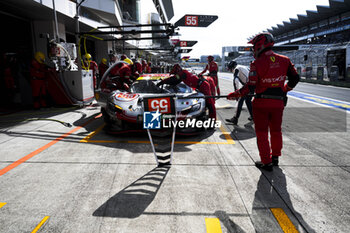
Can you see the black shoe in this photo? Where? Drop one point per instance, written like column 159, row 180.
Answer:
column 275, row 160
column 250, row 118
column 233, row 120
column 267, row 167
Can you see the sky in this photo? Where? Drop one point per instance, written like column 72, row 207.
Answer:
column 238, row 20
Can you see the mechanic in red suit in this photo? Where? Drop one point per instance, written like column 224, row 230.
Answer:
column 124, row 73
column 103, row 67
column 91, row 65
column 144, row 66
column 136, row 70
column 38, row 72
column 267, row 78
column 194, row 82
column 212, row 67
column 149, row 67
column 211, row 83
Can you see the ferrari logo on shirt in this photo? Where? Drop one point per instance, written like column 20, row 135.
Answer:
column 273, row 59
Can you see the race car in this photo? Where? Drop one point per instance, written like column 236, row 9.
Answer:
column 124, row 110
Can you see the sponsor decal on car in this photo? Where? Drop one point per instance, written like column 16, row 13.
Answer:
column 153, row 77
column 125, row 96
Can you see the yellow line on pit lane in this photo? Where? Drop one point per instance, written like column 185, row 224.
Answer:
column 40, row 224
column 283, row 220
column 2, row 204
column 213, row 225
column 87, row 139
column 323, row 101
column 227, row 135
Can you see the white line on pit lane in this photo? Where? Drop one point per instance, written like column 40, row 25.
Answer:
column 321, row 98
column 322, row 85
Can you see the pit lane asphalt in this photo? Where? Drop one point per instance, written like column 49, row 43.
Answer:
column 84, row 180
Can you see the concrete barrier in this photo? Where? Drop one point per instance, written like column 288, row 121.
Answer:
column 308, row 74
column 347, row 75
column 334, row 73
column 299, row 71
column 320, row 73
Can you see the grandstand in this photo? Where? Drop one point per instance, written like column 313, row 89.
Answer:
column 318, row 42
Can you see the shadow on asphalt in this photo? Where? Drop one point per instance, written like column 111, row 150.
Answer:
column 43, row 134
column 128, row 141
column 269, row 185
column 228, row 223
column 133, row 200
column 23, row 116
column 242, row 132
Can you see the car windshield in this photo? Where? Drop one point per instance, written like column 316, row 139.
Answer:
column 145, row 86
column 149, row 86
column 179, row 88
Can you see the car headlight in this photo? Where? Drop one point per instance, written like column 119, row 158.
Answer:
column 117, row 106
column 196, row 107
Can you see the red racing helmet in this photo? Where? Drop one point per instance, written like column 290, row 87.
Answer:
column 261, row 41
column 176, row 69
column 210, row 58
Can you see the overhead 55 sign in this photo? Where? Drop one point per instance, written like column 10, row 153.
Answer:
column 154, row 107
column 191, row 20
column 196, row 20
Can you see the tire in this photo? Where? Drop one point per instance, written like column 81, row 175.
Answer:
column 106, row 117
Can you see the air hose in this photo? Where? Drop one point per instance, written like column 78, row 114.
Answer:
column 42, row 119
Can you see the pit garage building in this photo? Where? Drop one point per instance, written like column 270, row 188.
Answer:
column 27, row 25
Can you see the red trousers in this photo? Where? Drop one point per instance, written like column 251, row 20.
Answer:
column 39, row 92
column 216, row 81
column 210, row 102
column 267, row 114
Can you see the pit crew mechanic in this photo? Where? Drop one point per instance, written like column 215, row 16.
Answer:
column 124, row 74
column 267, row 77
column 212, row 67
column 192, row 81
column 92, row 65
column 240, row 78
column 38, row 73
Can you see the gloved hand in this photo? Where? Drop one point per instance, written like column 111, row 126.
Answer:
column 125, row 86
column 287, row 88
column 234, row 95
column 160, row 83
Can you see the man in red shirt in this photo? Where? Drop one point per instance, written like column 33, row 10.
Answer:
column 144, row 66
column 136, row 70
column 267, row 78
column 38, row 72
column 211, row 83
column 89, row 64
column 192, row 81
column 123, row 71
column 212, row 67
column 103, row 67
